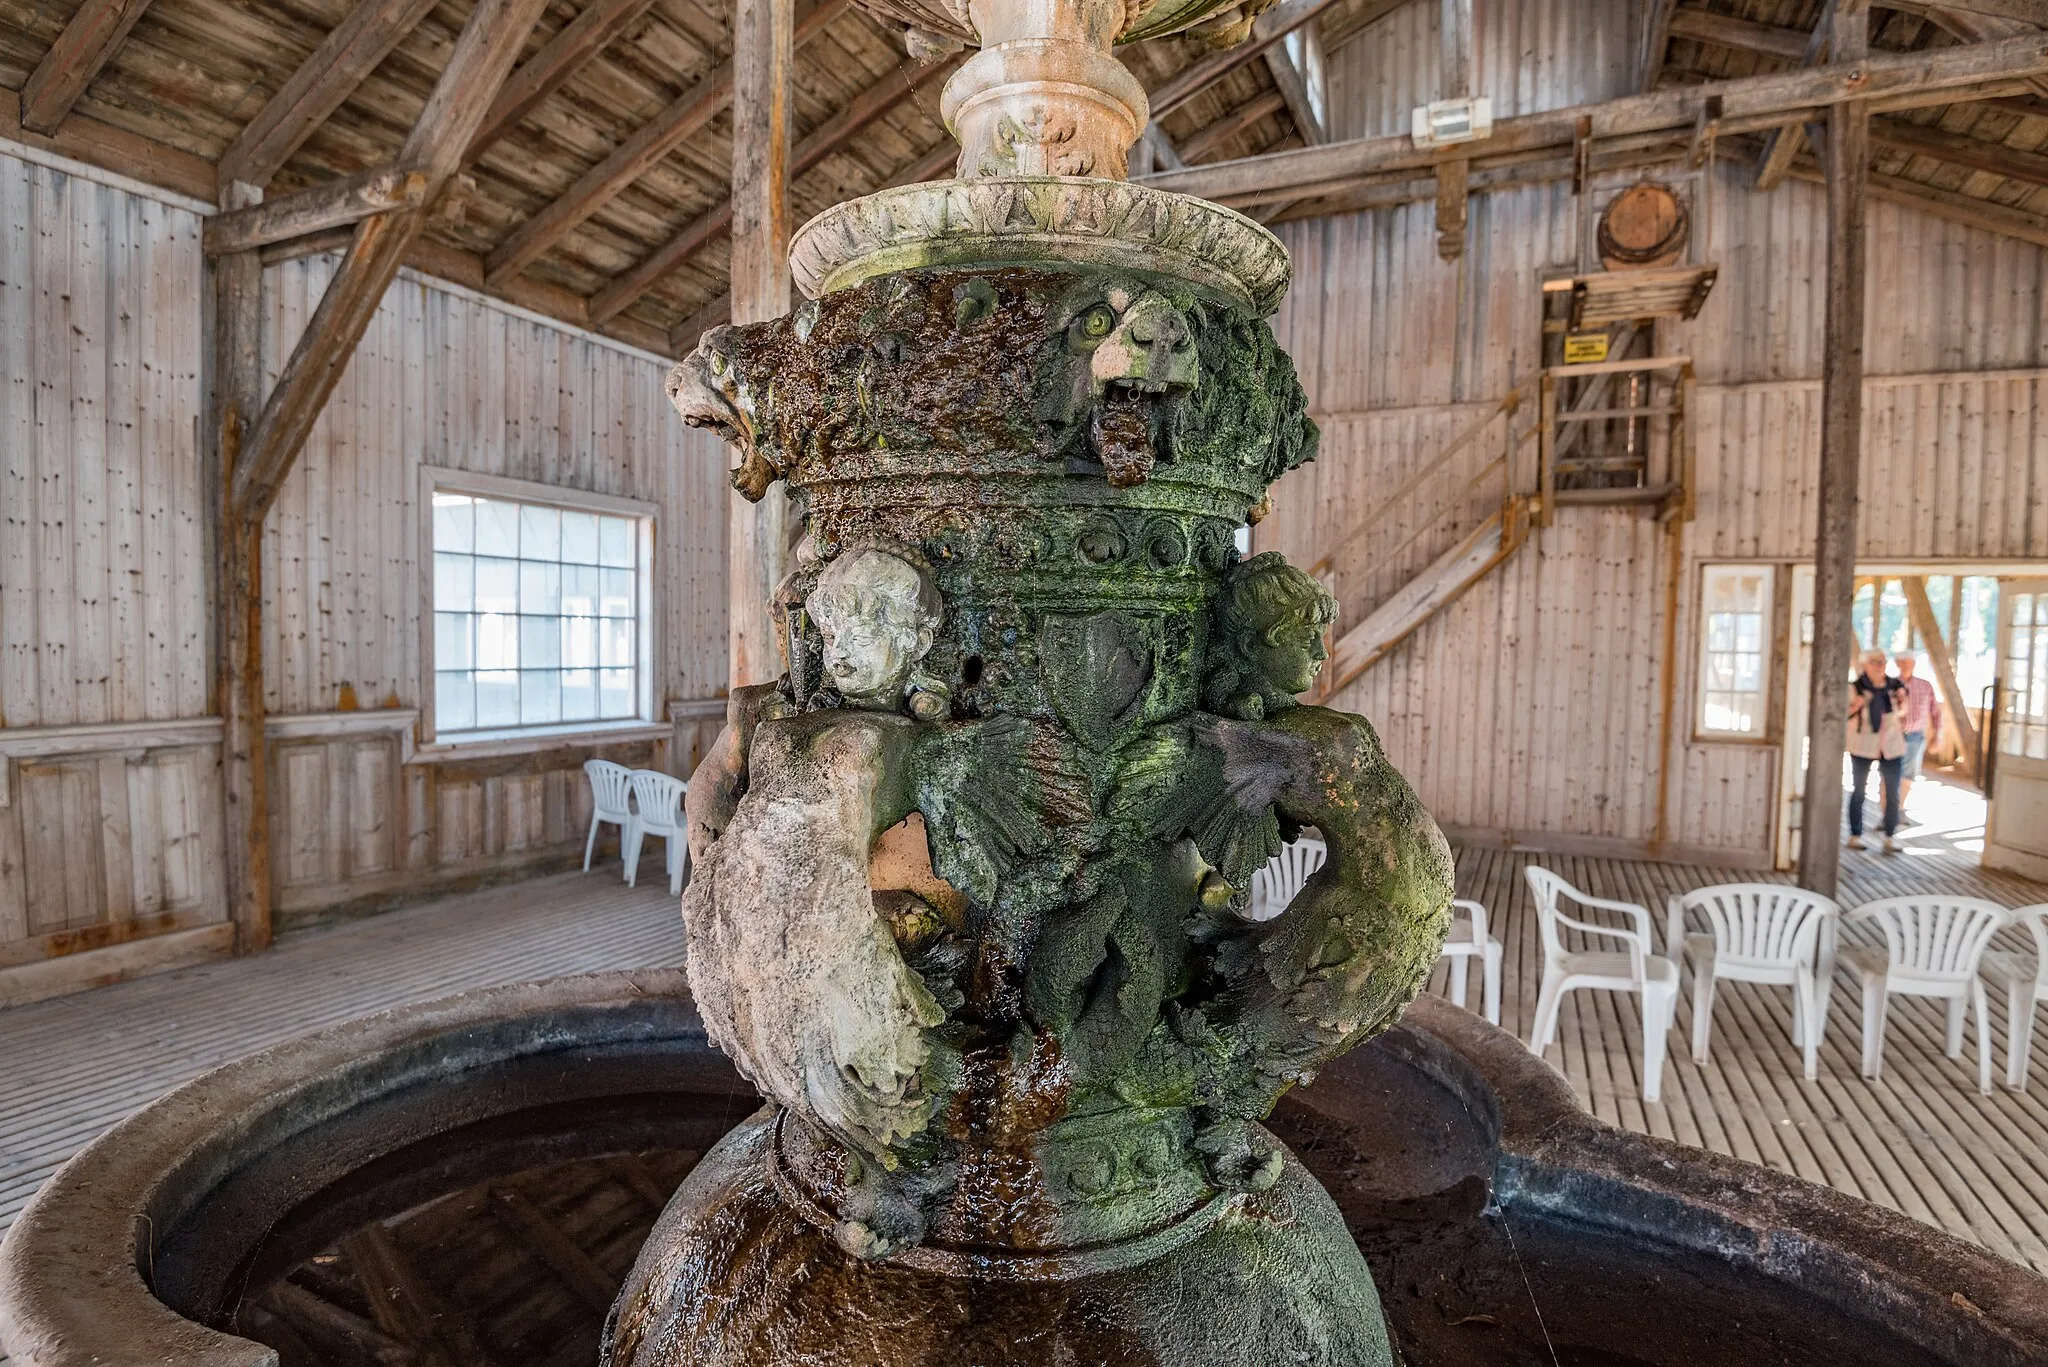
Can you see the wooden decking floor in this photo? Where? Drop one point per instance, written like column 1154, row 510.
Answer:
column 72, row 1066
column 1921, row 1139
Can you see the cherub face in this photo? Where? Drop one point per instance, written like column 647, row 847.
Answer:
column 866, row 608
column 1290, row 653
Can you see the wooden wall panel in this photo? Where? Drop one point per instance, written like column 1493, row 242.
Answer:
column 444, row 378
column 103, row 603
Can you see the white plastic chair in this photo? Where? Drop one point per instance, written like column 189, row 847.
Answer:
column 1934, row 946
column 1635, row 969
column 2026, row 987
column 1760, row 933
column 1468, row 941
column 659, row 797
column 1274, row 885
column 611, row 799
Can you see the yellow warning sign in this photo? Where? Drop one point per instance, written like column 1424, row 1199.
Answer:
column 1581, row 348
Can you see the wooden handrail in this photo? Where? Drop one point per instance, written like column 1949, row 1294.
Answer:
column 1511, row 401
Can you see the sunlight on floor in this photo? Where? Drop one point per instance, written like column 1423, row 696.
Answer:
column 1943, row 816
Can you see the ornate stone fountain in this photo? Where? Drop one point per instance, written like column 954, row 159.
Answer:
column 971, row 880
column 969, row 915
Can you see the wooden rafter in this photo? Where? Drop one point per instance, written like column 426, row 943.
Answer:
column 581, row 39
column 1293, row 81
column 1703, row 25
column 1959, row 149
column 1272, row 26
column 828, row 137
column 1656, row 38
column 98, row 27
column 483, row 55
column 1221, row 130
column 631, row 159
column 1748, row 104
column 322, row 83
column 1782, row 144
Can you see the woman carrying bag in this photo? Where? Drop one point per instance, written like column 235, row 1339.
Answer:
column 1877, row 734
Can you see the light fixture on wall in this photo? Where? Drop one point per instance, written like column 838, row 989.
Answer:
column 1442, row 122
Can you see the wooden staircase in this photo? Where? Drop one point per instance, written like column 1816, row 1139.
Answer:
column 1428, row 593
column 1445, row 579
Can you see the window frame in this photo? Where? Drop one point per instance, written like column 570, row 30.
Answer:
column 442, row 479
column 1775, row 587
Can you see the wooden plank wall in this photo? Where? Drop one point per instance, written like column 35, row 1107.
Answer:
column 448, row 379
column 110, row 803
column 106, row 833
column 1529, row 711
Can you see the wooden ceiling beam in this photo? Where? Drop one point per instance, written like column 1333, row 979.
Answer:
column 2034, row 12
column 1214, row 134
column 1270, row 27
column 1725, row 30
column 683, row 336
column 1292, row 81
column 828, row 137
column 321, row 85
column 348, row 199
column 1749, row 104
column 489, row 43
column 1656, row 40
column 1958, row 149
column 631, row 159
column 114, row 149
column 540, row 76
column 95, row 30
column 1781, row 145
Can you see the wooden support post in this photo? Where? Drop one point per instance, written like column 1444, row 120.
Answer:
column 1841, row 453
column 1455, row 80
column 238, row 585
column 1944, row 668
column 757, row 536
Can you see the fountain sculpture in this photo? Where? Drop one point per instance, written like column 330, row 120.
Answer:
column 968, row 912
column 971, row 878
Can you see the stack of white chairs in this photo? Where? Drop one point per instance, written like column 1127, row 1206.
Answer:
column 1468, row 941
column 1934, row 947
column 659, row 800
column 1759, row 933
column 640, row 802
column 1276, row 884
column 2026, row 987
column 611, row 801
column 1630, row 969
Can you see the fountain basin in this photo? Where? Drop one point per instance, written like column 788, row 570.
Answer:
column 1502, row 1223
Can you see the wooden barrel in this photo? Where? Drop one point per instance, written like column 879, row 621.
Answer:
column 1644, row 225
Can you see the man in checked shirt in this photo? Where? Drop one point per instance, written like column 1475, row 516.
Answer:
column 1923, row 721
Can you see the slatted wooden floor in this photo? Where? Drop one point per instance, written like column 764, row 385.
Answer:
column 1921, row 1139
column 74, row 1065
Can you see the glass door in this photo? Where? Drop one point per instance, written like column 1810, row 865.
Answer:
column 2016, row 838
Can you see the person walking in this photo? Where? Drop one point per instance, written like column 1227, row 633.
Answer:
column 1922, row 722
column 1877, row 735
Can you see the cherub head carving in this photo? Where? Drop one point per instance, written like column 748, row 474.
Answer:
column 876, row 607
column 1270, row 620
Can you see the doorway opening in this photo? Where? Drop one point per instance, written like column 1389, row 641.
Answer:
column 1979, row 636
